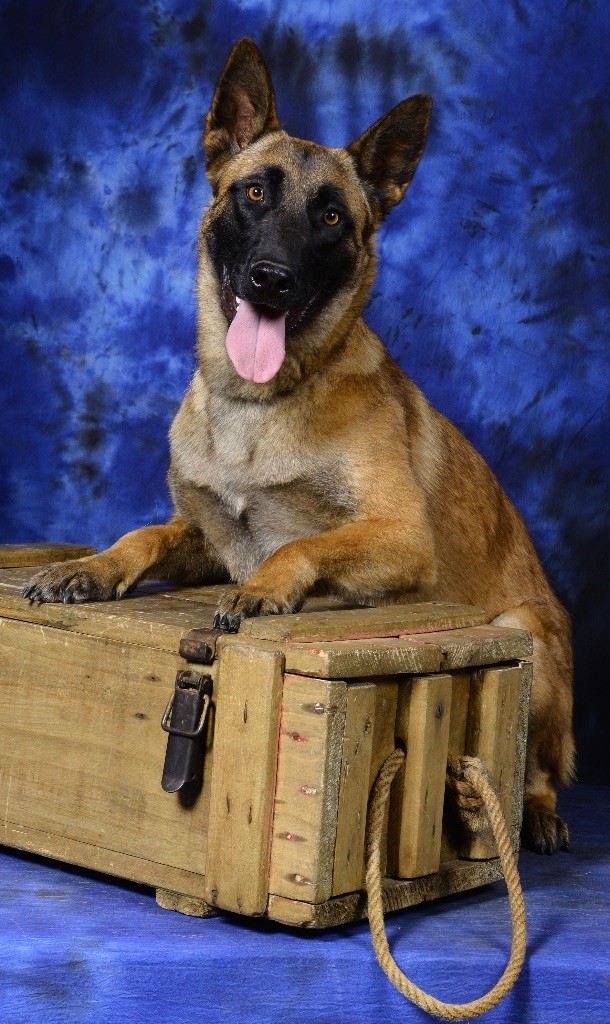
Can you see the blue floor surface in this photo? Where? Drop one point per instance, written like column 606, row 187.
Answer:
column 79, row 948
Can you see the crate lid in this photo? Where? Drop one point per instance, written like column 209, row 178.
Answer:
column 158, row 615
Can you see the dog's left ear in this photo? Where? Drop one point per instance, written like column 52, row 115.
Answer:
column 243, row 107
column 388, row 153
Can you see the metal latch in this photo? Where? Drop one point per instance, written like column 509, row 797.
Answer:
column 184, row 720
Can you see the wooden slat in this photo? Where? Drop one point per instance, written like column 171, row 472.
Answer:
column 309, row 768
column 362, row 623
column 13, row 555
column 516, row 815
column 150, row 621
column 477, row 645
column 384, row 742
column 493, row 714
column 416, row 807
column 248, row 696
column 99, row 858
column 349, row 659
column 453, row 877
column 348, row 872
column 82, row 750
column 458, row 721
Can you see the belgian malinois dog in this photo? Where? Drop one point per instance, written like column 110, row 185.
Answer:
column 302, row 458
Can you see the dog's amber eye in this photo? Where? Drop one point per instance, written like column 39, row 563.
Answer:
column 331, row 217
column 256, row 193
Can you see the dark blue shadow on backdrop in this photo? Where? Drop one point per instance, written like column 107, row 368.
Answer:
column 491, row 291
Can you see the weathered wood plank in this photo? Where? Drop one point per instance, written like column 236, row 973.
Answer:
column 248, row 696
column 99, row 858
column 192, row 906
column 384, row 742
column 309, row 768
column 453, row 877
column 13, row 555
column 349, row 659
column 148, row 621
column 416, row 803
column 458, row 722
column 82, row 751
column 348, row 871
column 493, row 715
column 477, row 645
column 362, row 623
column 516, row 815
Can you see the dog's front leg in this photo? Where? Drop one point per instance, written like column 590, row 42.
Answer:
column 176, row 551
column 363, row 561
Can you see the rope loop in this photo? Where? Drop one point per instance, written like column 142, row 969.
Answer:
column 475, row 775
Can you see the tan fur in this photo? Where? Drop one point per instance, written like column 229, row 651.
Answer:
column 338, row 475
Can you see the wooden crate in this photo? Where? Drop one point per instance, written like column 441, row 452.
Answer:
column 305, row 709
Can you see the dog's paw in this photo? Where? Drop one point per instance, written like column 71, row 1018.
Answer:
column 465, row 804
column 543, row 831
column 246, row 603
column 81, row 579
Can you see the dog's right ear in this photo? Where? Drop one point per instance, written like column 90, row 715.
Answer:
column 243, row 107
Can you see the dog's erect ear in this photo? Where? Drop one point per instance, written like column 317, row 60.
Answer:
column 388, row 153
column 243, row 107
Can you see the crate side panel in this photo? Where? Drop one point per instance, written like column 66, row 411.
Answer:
column 98, row 858
column 307, row 792
column 81, row 748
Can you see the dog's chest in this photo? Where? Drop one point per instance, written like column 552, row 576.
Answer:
column 262, row 480
column 249, row 453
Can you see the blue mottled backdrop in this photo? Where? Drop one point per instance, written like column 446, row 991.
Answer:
column 492, row 291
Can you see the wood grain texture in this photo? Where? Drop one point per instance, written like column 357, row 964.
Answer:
column 362, row 623
column 458, row 722
column 191, row 906
column 516, row 814
column 82, row 751
column 477, row 645
column 150, row 621
column 349, row 659
column 493, row 718
column 99, row 858
column 384, row 742
column 13, row 555
column 349, row 869
column 453, row 877
column 307, row 793
column 416, row 805
column 248, row 695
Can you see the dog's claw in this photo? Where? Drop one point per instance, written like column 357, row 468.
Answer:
column 216, row 621
column 230, row 623
column 543, row 831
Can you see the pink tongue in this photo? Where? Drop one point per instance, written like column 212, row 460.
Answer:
column 256, row 343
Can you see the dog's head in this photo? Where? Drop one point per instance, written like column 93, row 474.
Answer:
column 286, row 246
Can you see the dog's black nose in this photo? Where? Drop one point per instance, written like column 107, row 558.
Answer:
column 271, row 282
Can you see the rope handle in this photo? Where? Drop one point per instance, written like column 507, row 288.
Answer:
column 475, row 773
